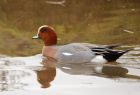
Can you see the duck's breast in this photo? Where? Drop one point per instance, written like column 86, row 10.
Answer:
column 74, row 53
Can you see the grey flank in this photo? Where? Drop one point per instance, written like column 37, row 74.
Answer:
column 74, row 53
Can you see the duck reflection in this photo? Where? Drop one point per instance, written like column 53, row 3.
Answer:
column 47, row 75
column 92, row 69
column 107, row 70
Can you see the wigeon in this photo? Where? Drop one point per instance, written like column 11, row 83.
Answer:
column 75, row 52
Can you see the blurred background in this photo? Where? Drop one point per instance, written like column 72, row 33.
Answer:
column 94, row 21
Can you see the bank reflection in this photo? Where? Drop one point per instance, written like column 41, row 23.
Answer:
column 21, row 77
column 11, row 79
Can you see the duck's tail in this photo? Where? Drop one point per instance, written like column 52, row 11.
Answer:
column 112, row 46
column 112, row 55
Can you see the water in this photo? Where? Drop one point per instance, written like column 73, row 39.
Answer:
column 28, row 75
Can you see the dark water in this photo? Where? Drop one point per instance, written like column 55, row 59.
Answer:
column 96, row 21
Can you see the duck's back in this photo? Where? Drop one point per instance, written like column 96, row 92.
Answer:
column 74, row 53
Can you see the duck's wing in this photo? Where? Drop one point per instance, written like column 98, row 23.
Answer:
column 74, row 53
column 111, row 46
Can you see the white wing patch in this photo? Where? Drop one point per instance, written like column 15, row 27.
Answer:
column 67, row 54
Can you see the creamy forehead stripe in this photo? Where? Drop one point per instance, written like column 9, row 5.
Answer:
column 44, row 26
column 41, row 27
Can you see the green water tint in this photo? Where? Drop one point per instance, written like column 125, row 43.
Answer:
column 94, row 21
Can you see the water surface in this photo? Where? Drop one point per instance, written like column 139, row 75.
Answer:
column 28, row 75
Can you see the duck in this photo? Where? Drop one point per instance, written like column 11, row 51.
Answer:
column 76, row 52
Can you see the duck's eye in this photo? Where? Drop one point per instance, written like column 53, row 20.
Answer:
column 44, row 29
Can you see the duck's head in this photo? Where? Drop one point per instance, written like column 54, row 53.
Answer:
column 47, row 34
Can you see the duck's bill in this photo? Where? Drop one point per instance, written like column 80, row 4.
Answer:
column 36, row 37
